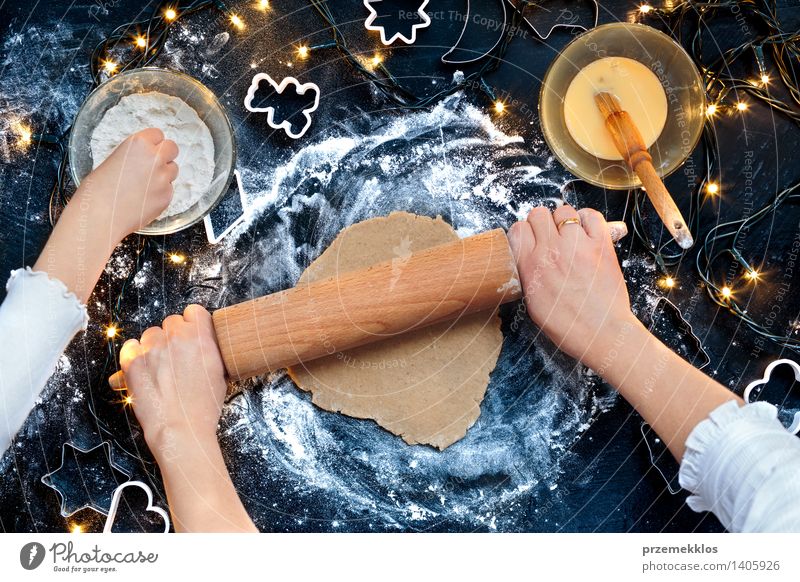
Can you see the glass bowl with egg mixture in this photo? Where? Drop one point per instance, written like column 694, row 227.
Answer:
column 193, row 93
column 680, row 80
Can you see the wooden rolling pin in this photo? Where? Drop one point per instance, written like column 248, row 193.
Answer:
column 630, row 144
column 318, row 319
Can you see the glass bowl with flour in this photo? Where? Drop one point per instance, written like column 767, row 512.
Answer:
column 186, row 111
column 654, row 79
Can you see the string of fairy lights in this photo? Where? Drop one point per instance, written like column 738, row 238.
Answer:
column 772, row 82
column 729, row 94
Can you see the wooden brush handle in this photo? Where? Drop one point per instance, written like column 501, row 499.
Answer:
column 631, row 146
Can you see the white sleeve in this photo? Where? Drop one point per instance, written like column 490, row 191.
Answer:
column 38, row 318
column 744, row 466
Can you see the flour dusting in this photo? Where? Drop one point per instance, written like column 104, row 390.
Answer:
column 322, row 468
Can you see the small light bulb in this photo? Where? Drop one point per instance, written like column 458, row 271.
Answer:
column 376, row 60
column 111, row 331
column 645, row 8
column 110, row 66
column 263, row 4
column 237, row 21
column 726, row 292
column 24, row 133
column 303, row 51
column 741, row 106
column 141, row 41
column 711, row 109
column 170, row 14
column 499, row 106
column 765, row 79
column 176, row 258
column 76, row 529
column 128, row 400
column 669, row 282
column 753, row 275
column 712, row 188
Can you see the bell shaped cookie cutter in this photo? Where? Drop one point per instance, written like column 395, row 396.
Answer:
column 373, row 15
column 279, row 88
column 748, row 391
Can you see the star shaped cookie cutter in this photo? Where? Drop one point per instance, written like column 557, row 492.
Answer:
column 52, row 480
column 748, row 391
column 279, row 88
column 373, row 15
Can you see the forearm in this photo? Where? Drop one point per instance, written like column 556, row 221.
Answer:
column 671, row 395
column 79, row 246
column 201, row 495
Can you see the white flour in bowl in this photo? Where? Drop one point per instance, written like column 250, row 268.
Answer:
column 180, row 123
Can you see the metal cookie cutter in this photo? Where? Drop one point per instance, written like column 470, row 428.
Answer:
column 748, row 392
column 373, row 15
column 279, row 88
column 100, row 461
column 666, row 306
column 115, row 500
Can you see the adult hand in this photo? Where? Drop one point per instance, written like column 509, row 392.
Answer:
column 573, row 285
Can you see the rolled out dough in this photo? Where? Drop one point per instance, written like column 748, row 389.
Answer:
column 425, row 386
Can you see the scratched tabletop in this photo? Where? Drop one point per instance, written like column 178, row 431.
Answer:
column 553, row 450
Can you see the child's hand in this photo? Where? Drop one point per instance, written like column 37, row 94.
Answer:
column 176, row 379
column 573, row 285
column 134, row 184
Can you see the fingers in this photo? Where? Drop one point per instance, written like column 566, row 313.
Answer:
column 566, row 212
column 131, row 350
column 117, row 381
column 168, row 150
column 151, row 134
column 172, row 171
column 542, row 225
column 152, row 336
column 198, row 315
column 593, row 223
column 521, row 241
column 172, row 324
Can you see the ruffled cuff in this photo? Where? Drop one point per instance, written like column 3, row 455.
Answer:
column 38, row 318
column 728, row 458
column 67, row 304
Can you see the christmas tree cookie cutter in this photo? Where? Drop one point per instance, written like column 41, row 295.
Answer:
column 667, row 307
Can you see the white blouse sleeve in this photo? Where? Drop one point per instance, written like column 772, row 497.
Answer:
column 38, row 318
column 744, row 466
